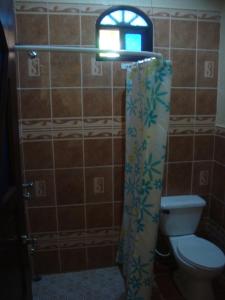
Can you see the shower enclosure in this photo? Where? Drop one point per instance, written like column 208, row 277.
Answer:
column 72, row 127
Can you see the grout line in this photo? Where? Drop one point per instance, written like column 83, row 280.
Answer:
column 122, row 117
column 195, row 108
column 109, row 87
column 118, row 165
column 113, row 158
column 82, row 204
column 96, row 15
column 83, row 139
column 52, row 141
column 189, row 162
column 76, row 168
column 196, row 49
column 166, row 168
column 212, row 176
column 170, row 38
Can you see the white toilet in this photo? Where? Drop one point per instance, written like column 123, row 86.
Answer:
column 199, row 260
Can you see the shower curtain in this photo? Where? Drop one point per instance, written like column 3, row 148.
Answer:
column 147, row 115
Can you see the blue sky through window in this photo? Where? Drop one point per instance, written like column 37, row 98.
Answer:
column 133, row 42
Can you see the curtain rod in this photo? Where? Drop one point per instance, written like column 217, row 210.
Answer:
column 63, row 48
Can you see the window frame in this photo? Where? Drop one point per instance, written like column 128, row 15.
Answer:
column 145, row 31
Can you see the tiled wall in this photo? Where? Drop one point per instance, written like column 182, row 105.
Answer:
column 216, row 224
column 72, row 127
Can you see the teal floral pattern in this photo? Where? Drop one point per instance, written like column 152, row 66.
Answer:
column 147, row 116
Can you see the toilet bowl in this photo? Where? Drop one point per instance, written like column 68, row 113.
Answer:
column 199, row 260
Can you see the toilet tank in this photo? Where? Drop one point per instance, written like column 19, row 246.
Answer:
column 180, row 215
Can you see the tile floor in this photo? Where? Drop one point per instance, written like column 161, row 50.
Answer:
column 99, row 284
column 107, row 284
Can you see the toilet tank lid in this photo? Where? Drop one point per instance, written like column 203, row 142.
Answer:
column 183, row 201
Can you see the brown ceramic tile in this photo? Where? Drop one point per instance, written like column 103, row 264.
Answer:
column 118, row 183
column 164, row 52
column 89, row 80
column 167, row 149
column 204, row 147
column 42, row 219
column 35, row 104
column 184, row 68
column 73, row 259
column 119, row 75
column 208, row 35
column 69, row 186
column 218, row 189
column 65, row 69
column 27, row 81
column 97, row 102
column 88, row 30
column 205, row 213
column 216, row 211
column 98, row 152
column 164, row 188
column 99, row 257
column 71, row 217
column 202, row 178
column 43, row 193
column 119, row 98
column 99, row 215
column 206, row 102
column 119, row 151
column 64, row 29
column 68, row 153
column 161, row 32
column 91, row 175
column 118, row 213
column 66, row 103
column 181, row 148
column 179, row 178
column 38, row 155
column 46, row 262
column 182, row 102
column 204, row 56
column 32, row 29
column 183, row 34
column 220, row 149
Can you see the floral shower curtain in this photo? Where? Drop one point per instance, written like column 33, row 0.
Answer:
column 147, row 116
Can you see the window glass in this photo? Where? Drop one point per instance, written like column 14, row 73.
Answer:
column 139, row 21
column 117, row 15
column 109, row 40
column 124, row 28
column 108, row 21
column 133, row 42
column 128, row 16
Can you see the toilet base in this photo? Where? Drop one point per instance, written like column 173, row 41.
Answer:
column 193, row 288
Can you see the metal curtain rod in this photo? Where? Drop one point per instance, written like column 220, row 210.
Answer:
column 76, row 49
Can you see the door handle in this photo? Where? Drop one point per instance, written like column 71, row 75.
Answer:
column 27, row 240
column 26, row 187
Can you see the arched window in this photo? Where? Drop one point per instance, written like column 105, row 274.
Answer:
column 123, row 28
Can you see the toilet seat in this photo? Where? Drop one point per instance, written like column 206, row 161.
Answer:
column 200, row 253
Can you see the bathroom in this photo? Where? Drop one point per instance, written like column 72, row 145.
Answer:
column 72, row 143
